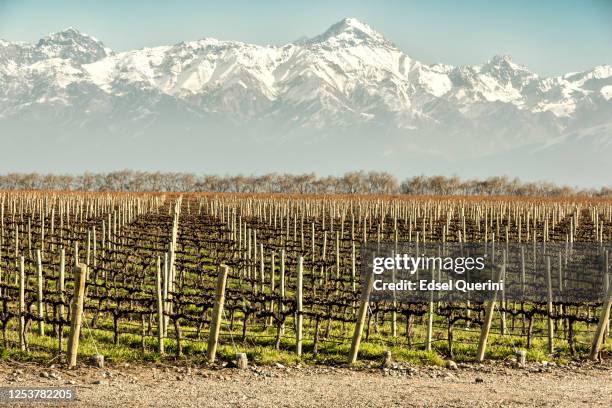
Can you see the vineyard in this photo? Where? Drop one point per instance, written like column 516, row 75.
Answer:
column 274, row 276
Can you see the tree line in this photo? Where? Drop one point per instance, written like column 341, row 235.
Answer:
column 354, row 182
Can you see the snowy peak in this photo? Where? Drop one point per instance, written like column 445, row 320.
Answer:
column 69, row 33
column 73, row 45
column 504, row 64
column 508, row 73
column 350, row 31
column 502, row 59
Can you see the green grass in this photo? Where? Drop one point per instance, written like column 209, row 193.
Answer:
column 260, row 341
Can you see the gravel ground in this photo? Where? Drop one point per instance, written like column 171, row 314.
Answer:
column 491, row 385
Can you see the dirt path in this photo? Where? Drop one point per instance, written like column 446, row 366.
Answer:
column 473, row 386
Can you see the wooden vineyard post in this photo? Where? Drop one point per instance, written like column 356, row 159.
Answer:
column 281, row 327
column 88, row 252
column 22, row 333
column 166, row 289
column 76, row 307
column 549, row 309
column 337, row 255
column 272, row 277
column 598, row 338
column 261, row 269
column 215, row 324
column 299, row 319
column 61, row 289
column 608, row 283
column 430, row 317
column 488, row 319
column 95, row 248
column 361, row 318
column 41, row 306
column 353, row 268
column 604, row 317
column 160, row 308
column 76, row 253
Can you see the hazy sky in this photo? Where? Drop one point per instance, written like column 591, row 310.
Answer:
column 548, row 36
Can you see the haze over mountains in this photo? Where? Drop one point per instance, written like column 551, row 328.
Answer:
column 344, row 100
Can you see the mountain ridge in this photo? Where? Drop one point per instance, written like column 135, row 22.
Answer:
column 346, row 80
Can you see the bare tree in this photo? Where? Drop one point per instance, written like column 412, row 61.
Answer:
column 355, row 182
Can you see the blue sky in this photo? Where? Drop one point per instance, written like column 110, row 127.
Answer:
column 548, row 36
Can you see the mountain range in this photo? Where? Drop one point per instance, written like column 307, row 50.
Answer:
column 346, row 99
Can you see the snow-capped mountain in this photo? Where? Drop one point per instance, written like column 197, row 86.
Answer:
column 349, row 82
